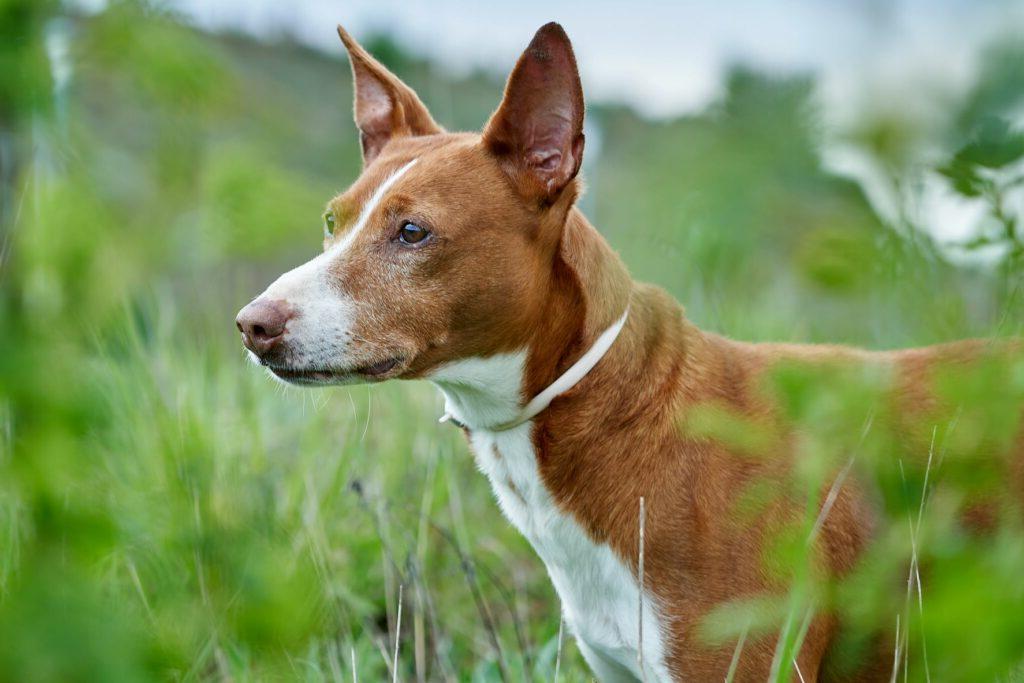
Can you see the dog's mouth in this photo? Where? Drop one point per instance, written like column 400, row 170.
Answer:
column 378, row 371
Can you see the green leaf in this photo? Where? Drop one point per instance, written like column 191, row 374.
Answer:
column 963, row 177
column 993, row 145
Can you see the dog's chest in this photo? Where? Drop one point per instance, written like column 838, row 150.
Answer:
column 599, row 593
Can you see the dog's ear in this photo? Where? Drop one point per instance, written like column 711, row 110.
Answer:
column 385, row 107
column 537, row 131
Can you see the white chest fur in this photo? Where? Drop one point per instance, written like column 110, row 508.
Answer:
column 599, row 592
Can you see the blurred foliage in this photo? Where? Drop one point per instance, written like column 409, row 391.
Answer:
column 983, row 167
column 166, row 513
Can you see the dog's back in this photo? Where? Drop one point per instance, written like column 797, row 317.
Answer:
column 912, row 403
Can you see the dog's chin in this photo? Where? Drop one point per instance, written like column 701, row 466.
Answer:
column 360, row 374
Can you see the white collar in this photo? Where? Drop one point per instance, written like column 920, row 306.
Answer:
column 564, row 383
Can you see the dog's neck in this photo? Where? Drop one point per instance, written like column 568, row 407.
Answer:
column 589, row 291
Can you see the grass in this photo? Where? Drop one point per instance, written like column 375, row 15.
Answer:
column 272, row 513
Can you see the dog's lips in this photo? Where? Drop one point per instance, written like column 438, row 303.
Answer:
column 309, row 377
column 379, row 368
column 306, row 377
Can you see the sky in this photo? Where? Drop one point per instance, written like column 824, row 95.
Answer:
column 668, row 58
column 663, row 57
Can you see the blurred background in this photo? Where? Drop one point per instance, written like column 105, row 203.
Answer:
column 850, row 172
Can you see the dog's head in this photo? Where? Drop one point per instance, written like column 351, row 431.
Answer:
column 443, row 248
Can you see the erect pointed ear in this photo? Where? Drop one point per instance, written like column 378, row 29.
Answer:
column 385, row 107
column 537, row 131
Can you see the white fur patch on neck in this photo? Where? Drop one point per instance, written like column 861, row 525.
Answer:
column 482, row 391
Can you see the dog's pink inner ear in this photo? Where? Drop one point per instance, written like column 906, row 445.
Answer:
column 374, row 113
column 385, row 107
column 537, row 130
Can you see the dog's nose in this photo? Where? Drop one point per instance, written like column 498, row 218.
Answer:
column 262, row 324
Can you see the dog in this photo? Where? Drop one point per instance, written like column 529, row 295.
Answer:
column 461, row 259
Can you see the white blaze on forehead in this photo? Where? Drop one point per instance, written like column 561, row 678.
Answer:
column 320, row 331
column 369, row 208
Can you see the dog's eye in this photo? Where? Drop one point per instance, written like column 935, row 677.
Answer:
column 412, row 234
column 328, row 224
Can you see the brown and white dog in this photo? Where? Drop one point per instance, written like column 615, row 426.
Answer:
column 459, row 258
